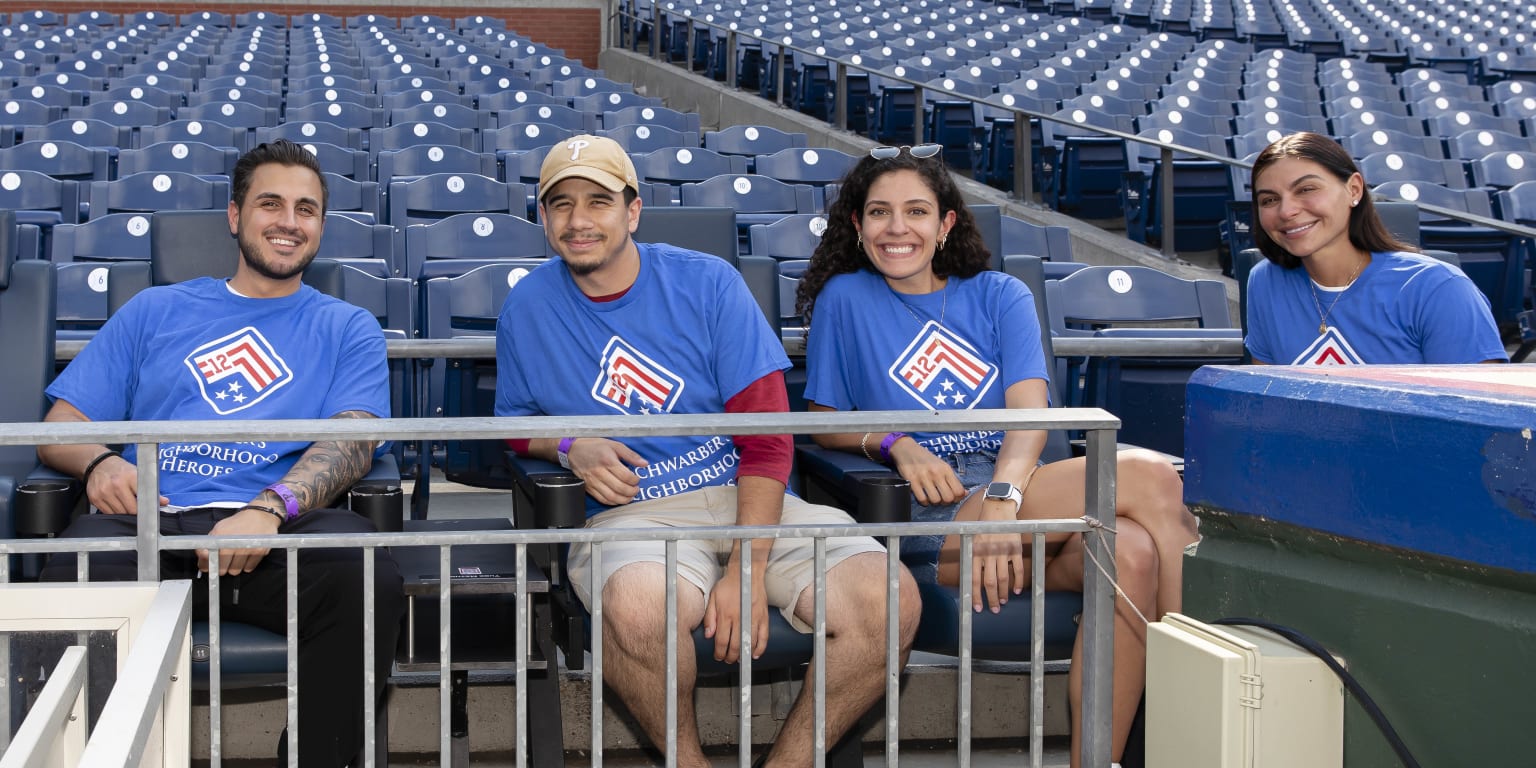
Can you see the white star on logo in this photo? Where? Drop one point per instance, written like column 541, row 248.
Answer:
column 941, row 399
column 239, row 398
column 221, row 394
column 234, row 386
column 948, row 385
column 959, row 398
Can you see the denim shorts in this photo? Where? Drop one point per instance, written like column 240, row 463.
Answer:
column 921, row 553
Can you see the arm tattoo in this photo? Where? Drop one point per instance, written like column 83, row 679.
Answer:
column 329, row 467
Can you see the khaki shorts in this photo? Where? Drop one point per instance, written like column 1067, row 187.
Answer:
column 791, row 562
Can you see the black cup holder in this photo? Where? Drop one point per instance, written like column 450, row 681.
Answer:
column 44, row 507
column 382, row 503
column 885, row 499
column 559, row 501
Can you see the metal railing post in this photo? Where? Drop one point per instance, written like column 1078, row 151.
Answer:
column 658, row 48
column 1023, row 159
column 917, row 115
column 688, row 54
column 730, row 59
column 840, row 107
column 1166, row 192
column 1098, row 628
column 780, row 65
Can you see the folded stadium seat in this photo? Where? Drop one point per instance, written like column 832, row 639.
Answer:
column 346, row 114
column 151, row 95
column 249, row 94
column 204, row 131
column 1382, row 167
column 82, row 85
column 525, row 137
column 310, row 132
column 1416, row 89
column 1082, row 168
column 1186, row 122
column 404, row 135
column 755, row 199
column 548, row 114
column 400, row 99
column 81, row 253
column 40, row 201
column 1503, row 170
column 15, row 113
column 790, row 242
column 498, row 101
column 302, row 70
column 243, row 115
column 646, row 138
column 651, row 116
column 308, row 20
column 1504, row 90
column 1382, row 140
column 1518, row 204
column 454, row 115
column 426, row 23
column 1202, row 190
column 1124, row 90
column 90, row 133
column 191, row 157
column 124, row 114
column 357, row 198
column 1278, row 102
column 1447, row 125
column 1360, row 105
column 817, row 167
column 485, row 77
column 213, row 19
column 751, row 140
column 1437, row 105
column 59, row 159
column 260, row 19
column 425, row 199
column 262, row 75
column 424, row 159
column 997, row 162
column 1493, row 259
column 459, row 243
column 156, row 191
column 676, row 166
column 166, row 66
column 578, row 87
column 1453, row 59
column 1505, row 66
column 598, row 103
column 1147, row 394
column 361, row 244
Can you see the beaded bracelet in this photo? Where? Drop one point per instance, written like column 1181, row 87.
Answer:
column 85, row 479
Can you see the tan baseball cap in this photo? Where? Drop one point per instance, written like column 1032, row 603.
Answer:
column 594, row 158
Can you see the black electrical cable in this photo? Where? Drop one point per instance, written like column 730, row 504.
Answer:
column 1350, row 683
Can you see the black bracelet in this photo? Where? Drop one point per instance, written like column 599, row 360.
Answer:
column 280, row 518
column 85, row 479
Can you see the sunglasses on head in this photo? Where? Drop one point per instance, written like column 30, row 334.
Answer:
column 921, row 151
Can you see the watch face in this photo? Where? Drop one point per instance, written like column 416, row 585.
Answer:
column 999, row 490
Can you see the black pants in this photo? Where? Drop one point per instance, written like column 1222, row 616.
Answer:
column 330, row 612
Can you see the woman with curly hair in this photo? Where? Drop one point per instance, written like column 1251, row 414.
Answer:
column 903, row 312
column 1331, row 265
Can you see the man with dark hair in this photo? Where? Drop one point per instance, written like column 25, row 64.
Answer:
column 613, row 326
column 261, row 345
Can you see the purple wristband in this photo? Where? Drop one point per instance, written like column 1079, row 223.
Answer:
column 290, row 502
column 885, row 445
column 563, row 451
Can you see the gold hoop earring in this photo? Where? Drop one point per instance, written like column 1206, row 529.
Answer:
column 944, row 238
column 860, row 238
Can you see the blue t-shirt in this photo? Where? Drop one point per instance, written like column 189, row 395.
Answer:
column 1403, row 308
column 872, row 349
column 685, row 338
column 198, row 351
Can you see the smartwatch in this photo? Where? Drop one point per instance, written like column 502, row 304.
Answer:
column 1006, row 492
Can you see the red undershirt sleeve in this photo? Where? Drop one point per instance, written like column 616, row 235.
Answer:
column 769, row 456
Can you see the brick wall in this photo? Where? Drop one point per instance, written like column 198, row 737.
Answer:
column 578, row 31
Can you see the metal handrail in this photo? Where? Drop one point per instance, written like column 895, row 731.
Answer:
column 1097, row 527
column 1068, row 346
column 1023, row 151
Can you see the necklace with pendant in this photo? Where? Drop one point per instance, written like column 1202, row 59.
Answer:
column 1322, row 314
column 943, row 304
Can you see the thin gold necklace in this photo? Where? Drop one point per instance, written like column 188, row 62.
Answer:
column 1322, row 315
column 943, row 304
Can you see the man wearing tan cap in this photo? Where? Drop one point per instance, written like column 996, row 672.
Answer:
column 614, row 326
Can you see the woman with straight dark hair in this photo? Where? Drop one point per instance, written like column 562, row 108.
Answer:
column 905, row 314
column 1338, row 288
